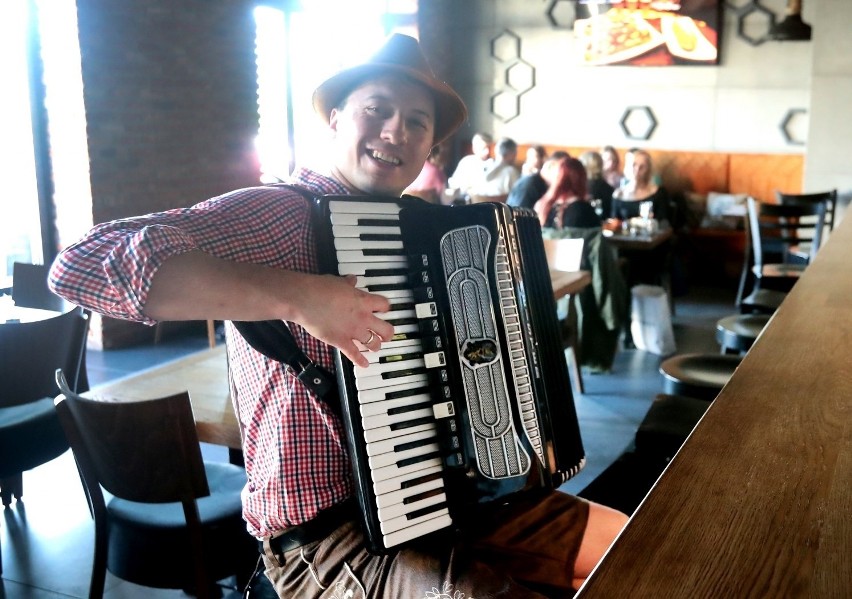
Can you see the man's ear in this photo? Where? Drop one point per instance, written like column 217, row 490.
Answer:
column 333, row 118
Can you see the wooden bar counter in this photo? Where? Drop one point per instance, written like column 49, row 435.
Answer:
column 758, row 502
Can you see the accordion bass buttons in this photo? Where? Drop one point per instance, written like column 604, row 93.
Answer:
column 432, row 337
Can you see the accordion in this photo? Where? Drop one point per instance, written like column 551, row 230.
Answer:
column 469, row 403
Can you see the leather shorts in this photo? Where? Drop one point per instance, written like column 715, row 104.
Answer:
column 526, row 550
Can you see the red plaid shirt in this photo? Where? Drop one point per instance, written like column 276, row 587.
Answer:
column 295, row 451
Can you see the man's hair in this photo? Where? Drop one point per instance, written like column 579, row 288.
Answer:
column 506, row 146
column 484, row 137
column 559, row 155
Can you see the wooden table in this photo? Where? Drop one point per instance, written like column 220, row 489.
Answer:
column 758, row 502
column 569, row 283
column 204, row 375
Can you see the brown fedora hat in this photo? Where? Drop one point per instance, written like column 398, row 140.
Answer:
column 401, row 55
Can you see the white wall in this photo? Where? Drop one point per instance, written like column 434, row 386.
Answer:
column 736, row 106
column 830, row 142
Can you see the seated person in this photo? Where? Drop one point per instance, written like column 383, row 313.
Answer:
column 471, row 169
column 536, row 155
column 529, row 188
column 612, row 172
column 564, row 204
column 599, row 189
column 431, row 183
column 626, row 200
column 500, row 176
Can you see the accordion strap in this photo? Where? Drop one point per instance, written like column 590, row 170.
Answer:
column 274, row 340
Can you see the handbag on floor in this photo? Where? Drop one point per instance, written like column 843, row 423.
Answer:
column 651, row 321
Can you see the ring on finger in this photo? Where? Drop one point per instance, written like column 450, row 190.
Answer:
column 372, row 336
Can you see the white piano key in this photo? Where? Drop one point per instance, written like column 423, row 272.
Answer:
column 385, row 432
column 402, row 509
column 394, row 497
column 398, row 482
column 351, row 218
column 338, row 231
column 381, row 393
column 393, row 457
column 418, row 529
column 366, row 282
column 396, row 314
column 382, row 407
column 401, row 347
column 426, row 310
column 360, row 268
column 383, row 420
column 353, row 256
column 405, row 522
column 353, row 243
column 376, row 382
column 391, row 445
column 409, row 359
column 397, row 296
column 342, row 206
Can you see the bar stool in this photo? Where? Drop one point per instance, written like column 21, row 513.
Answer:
column 701, row 376
column 737, row 333
column 668, row 423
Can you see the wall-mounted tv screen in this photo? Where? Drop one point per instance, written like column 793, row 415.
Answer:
column 648, row 32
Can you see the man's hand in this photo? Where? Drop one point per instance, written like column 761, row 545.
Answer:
column 331, row 309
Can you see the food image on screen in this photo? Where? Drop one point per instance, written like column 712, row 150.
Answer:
column 647, row 33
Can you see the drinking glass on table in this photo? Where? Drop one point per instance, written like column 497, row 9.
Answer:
column 646, row 209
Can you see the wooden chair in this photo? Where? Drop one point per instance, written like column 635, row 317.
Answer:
column 566, row 255
column 173, row 521
column 773, row 229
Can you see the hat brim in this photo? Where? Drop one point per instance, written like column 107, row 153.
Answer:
column 450, row 109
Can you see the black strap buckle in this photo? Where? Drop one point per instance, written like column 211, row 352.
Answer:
column 315, row 377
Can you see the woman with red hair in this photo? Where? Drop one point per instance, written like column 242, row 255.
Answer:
column 564, row 204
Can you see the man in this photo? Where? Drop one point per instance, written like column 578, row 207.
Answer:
column 471, row 169
column 529, row 188
column 250, row 255
column 501, row 175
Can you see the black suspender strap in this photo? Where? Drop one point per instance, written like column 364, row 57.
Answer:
column 274, row 340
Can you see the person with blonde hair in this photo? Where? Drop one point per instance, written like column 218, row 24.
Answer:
column 600, row 192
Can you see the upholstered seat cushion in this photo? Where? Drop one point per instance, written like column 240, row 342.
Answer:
column 149, row 543
column 30, row 435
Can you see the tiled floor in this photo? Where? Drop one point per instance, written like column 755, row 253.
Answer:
column 46, row 541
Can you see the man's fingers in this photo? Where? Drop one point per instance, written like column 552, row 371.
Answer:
column 351, row 351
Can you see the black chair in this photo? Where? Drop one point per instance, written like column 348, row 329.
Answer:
column 828, row 198
column 30, row 434
column 776, row 232
column 174, row 521
column 29, row 287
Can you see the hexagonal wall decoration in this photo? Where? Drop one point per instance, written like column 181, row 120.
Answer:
column 789, row 119
column 638, row 122
column 753, row 11
column 561, row 13
column 518, row 76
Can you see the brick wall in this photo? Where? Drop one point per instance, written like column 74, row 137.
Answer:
column 171, row 107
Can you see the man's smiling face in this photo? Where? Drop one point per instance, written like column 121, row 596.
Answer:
column 381, row 135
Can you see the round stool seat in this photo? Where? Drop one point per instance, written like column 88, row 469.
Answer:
column 739, row 331
column 698, row 375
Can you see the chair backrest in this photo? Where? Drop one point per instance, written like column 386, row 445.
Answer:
column 30, row 353
column 829, row 198
column 564, row 255
column 777, row 227
column 145, row 451
column 29, row 287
